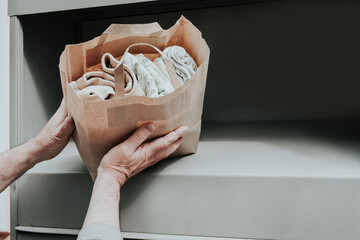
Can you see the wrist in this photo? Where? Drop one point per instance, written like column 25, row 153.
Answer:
column 103, row 178
column 111, row 175
column 31, row 152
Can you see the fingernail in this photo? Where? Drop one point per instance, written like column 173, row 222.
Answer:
column 183, row 129
column 150, row 127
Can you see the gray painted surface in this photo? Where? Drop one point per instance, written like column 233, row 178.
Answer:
column 281, row 60
column 16, row 77
column 38, row 236
column 44, row 39
column 21, row 7
column 57, row 231
column 260, row 180
column 28, row 232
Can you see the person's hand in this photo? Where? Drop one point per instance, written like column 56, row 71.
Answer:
column 54, row 136
column 134, row 155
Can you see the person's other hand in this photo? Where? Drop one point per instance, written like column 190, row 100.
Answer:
column 134, row 155
column 54, row 136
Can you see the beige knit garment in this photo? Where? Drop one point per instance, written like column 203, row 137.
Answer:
column 153, row 81
column 100, row 85
column 141, row 76
column 94, row 85
column 132, row 87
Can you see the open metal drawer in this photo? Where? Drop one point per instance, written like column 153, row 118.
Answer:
column 259, row 180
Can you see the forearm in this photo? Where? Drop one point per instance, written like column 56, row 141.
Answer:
column 104, row 203
column 46, row 145
column 16, row 162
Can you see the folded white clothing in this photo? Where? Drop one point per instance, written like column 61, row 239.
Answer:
column 151, row 79
column 132, row 87
column 159, row 62
column 143, row 76
column 183, row 63
column 162, row 82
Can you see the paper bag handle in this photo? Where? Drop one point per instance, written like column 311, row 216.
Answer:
column 119, row 70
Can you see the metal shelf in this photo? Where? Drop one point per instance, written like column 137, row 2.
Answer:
column 279, row 61
column 248, row 178
column 25, row 7
column 272, row 149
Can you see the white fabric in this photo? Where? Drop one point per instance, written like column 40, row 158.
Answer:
column 101, row 84
column 153, row 81
column 132, row 87
column 162, row 82
column 143, row 76
column 184, row 65
column 159, row 62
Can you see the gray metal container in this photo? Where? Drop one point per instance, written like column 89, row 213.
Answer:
column 279, row 156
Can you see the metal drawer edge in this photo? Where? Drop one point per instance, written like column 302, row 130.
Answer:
column 126, row 235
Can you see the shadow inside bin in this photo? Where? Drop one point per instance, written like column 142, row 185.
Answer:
column 41, row 85
column 329, row 141
column 334, row 134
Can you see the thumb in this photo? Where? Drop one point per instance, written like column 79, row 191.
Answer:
column 66, row 128
column 60, row 114
column 140, row 135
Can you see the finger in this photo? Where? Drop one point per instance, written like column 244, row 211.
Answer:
column 62, row 111
column 164, row 142
column 160, row 155
column 166, row 152
column 66, row 128
column 140, row 135
column 60, row 114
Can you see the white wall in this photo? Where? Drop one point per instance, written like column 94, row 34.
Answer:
column 4, row 106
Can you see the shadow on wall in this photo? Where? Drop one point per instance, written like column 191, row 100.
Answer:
column 286, row 60
column 276, row 60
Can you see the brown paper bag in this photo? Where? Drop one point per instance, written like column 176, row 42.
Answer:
column 100, row 125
